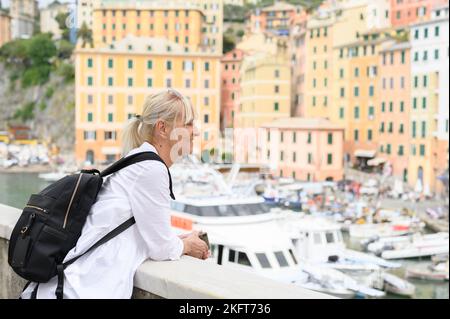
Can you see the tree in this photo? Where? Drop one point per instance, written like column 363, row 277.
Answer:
column 61, row 19
column 229, row 43
column 85, row 34
column 41, row 49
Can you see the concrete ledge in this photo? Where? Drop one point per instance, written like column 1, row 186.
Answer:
column 187, row 278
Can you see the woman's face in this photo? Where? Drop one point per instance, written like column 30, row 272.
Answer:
column 182, row 138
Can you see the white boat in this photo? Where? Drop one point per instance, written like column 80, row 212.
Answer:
column 435, row 272
column 237, row 230
column 398, row 228
column 398, row 286
column 416, row 245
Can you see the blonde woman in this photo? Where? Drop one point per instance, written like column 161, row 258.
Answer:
column 140, row 190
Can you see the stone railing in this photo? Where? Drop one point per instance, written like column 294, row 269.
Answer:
column 187, row 278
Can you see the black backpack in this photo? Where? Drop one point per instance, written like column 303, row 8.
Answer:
column 52, row 221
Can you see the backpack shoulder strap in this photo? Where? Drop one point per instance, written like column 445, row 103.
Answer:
column 136, row 158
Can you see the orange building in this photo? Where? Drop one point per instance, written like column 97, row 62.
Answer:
column 306, row 149
column 406, row 12
column 5, row 27
column 394, row 110
column 230, row 86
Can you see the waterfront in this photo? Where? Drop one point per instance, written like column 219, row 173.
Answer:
column 15, row 189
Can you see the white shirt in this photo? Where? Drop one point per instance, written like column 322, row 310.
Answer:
column 140, row 190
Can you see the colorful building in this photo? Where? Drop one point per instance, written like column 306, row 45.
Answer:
column 429, row 112
column 48, row 15
column 393, row 112
column 24, row 15
column 406, row 12
column 230, row 86
column 275, row 19
column 85, row 9
column 197, row 25
column 305, row 149
column 113, row 82
column 265, row 81
column 5, row 27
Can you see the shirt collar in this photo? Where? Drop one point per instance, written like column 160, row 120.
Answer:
column 145, row 147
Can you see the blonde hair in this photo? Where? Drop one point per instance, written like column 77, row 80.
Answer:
column 167, row 106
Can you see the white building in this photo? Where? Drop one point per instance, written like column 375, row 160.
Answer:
column 234, row 2
column 84, row 12
column 430, row 100
column 378, row 14
column 23, row 18
column 48, row 15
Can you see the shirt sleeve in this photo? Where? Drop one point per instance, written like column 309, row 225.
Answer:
column 150, row 202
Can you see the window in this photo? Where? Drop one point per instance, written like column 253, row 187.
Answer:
column 168, row 83
column 130, row 64
column 402, row 106
column 276, row 106
column 424, row 102
column 416, row 56
column 294, row 137
column 90, row 99
column 356, row 91
column 281, row 137
column 110, row 117
column 294, row 156
column 388, row 149
column 371, row 90
column 401, row 150
column 391, row 127
column 231, row 255
column 356, row 135
column 90, row 63
column 110, row 99
column 206, row 118
column 149, row 64
column 369, row 135
column 243, row 259
column 436, row 54
column 425, row 81
column 277, row 89
column 425, row 55
column 382, row 127
column 206, row 84
column 403, row 54
column 149, row 82
column 356, row 72
column 90, row 135
column 263, row 260
column 168, row 65
column 342, row 92
column 277, row 73
column 341, row 73
column 329, row 237
column 110, row 63
column 436, row 31
column 187, row 83
column 402, row 128
column 402, row 82
column 371, row 112
column 309, row 158
column 110, row 135
column 414, row 129
column 309, row 138
column 206, row 66
column 391, row 106
column 130, row 82
column 425, row 33
column 356, row 112
column 330, row 138
column 90, row 117
column 293, row 256
column 416, row 34
column 415, row 103
column 281, row 156
column 422, row 150
column 130, row 99
column 90, row 80
column 330, row 159
column 424, row 129
column 281, row 259
column 206, row 100
column 317, row 238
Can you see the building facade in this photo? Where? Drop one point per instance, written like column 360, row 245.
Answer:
column 230, row 86
column 24, row 15
column 406, row 12
column 275, row 19
column 48, row 15
column 85, row 9
column 5, row 27
column 113, row 82
column 304, row 149
column 429, row 112
column 394, row 108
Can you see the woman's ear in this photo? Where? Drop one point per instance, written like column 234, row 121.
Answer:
column 162, row 129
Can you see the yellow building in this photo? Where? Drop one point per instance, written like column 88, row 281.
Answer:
column 265, row 82
column 196, row 25
column 5, row 27
column 113, row 82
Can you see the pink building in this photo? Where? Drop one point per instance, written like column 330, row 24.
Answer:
column 308, row 149
column 230, row 87
column 406, row 12
column 393, row 112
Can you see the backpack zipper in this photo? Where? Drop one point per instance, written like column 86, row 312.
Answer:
column 38, row 208
column 71, row 200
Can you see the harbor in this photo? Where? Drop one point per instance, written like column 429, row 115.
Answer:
column 339, row 261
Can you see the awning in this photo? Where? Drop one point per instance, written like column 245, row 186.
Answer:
column 376, row 161
column 365, row 153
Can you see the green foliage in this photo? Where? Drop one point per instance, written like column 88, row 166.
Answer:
column 70, row 106
column 65, row 49
column 85, row 34
column 25, row 113
column 240, row 33
column 49, row 92
column 67, row 71
column 41, row 49
column 229, row 43
column 42, row 106
column 37, row 75
column 61, row 19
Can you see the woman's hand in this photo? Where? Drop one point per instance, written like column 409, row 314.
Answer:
column 194, row 246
